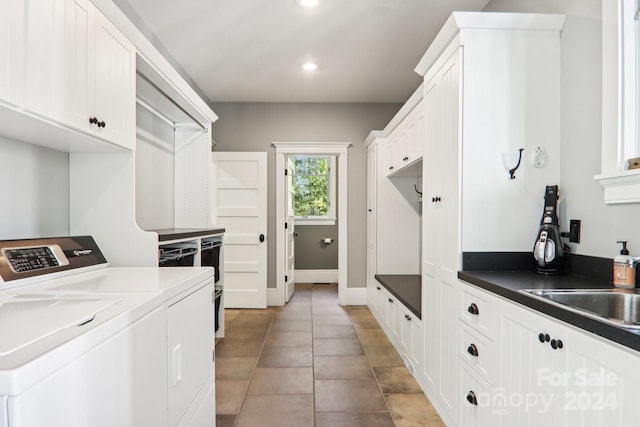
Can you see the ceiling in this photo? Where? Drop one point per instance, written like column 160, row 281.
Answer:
column 252, row 50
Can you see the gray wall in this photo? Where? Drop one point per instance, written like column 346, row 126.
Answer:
column 34, row 199
column 311, row 252
column 582, row 106
column 155, row 171
column 255, row 126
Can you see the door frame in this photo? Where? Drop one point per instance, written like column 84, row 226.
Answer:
column 340, row 150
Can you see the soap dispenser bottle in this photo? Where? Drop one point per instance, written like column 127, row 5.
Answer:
column 624, row 270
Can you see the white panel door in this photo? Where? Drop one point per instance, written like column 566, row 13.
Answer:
column 240, row 183
column 290, row 231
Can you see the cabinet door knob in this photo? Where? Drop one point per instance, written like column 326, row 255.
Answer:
column 93, row 120
column 473, row 309
column 378, row 287
column 471, row 398
column 390, row 300
column 472, row 350
column 544, row 337
column 390, row 168
column 370, row 210
column 261, row 238
column 556, row 344
column 102, row 124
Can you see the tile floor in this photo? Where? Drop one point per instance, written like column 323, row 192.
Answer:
column 313, row 363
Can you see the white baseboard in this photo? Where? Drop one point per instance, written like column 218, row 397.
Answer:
column 315, row 276
column 357, row 296
column 274, row 298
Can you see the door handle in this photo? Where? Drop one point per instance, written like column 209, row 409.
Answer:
column 261, row 238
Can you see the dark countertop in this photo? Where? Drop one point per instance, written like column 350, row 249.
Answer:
column 185, row 233
column 406, row 287
column 507, row 284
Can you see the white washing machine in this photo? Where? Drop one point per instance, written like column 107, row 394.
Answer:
column 87, row 345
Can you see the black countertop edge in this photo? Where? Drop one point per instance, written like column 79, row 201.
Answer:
column 507, row 284
column 406, row 287
column 185, row 233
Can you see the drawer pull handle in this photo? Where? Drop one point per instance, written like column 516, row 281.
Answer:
column 543, row 337
column 471, row 398
column 473, row 309
column 473, row 350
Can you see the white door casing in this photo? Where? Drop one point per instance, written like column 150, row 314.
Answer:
column 290, row 231
column 339, row 149
column 240, row 183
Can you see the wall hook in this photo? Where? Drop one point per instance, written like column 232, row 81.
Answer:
column 512, row 172
column 415, row 187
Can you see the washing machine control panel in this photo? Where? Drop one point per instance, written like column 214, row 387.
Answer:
column 34, row 258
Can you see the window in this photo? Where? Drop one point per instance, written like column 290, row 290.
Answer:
column 621, row 95
column 314, row 189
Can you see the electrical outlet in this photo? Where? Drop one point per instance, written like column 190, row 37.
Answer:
column 574, row 230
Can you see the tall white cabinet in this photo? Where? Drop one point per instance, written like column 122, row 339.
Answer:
column 441, row 237
column 488, row 78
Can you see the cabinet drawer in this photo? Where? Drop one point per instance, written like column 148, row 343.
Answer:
column 481, row 311
column 477, row 401
column 480, row 353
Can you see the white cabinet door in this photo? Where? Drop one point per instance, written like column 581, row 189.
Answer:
column 441, row 237
column 115, row 93
column 391, row 153
column 522, row 358
column 603, row 382
column 59, row 39
column 405, row 318
column 389, row 314
column 416, row 347
column 12, row 49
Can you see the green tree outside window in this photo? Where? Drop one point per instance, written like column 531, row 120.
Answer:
column 311, row 186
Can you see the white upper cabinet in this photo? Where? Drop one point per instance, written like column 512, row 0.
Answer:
column 80, row 70
column 11, row 51
column 404, row 146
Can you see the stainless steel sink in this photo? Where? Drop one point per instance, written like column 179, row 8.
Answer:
column 616, row 306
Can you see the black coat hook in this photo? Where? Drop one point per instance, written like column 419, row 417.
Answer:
column 512, row 172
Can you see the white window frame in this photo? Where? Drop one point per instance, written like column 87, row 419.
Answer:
column 620, row 26
column 330, row 218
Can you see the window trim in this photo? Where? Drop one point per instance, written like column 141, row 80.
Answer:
column 329, row 219
column 620, row 184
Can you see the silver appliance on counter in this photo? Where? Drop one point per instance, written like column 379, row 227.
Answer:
column 549, row 251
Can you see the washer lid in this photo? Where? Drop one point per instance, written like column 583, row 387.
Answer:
column 25, row 320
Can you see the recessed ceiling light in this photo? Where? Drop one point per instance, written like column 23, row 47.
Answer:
column 309, row 66
column 307, row 3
